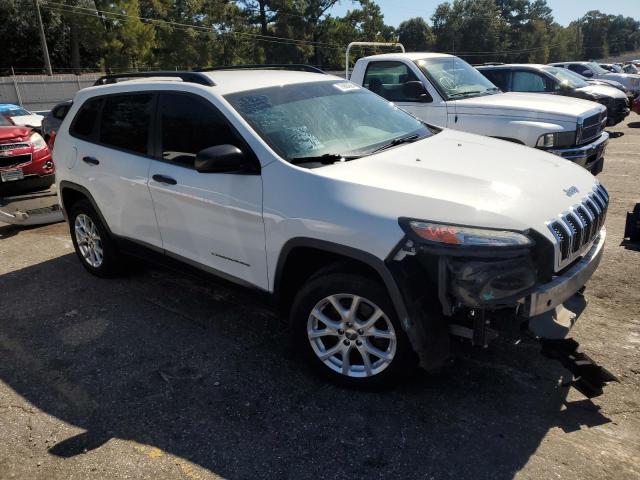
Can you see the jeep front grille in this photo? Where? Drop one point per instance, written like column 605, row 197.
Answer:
column 578, row 227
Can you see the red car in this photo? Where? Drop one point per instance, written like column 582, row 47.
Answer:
column 25, row 160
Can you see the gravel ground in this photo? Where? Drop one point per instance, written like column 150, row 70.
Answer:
column 160, row 375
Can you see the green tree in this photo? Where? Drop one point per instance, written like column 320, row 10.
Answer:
column 594, row 26
column 416, row 35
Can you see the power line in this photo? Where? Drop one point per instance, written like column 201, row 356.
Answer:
column 168, row 22
column 253, row 36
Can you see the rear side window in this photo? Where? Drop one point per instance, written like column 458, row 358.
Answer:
column 524, row 81
column 85, row 120
column 125, row 122
column 189, row 125
column 500, row 78
column 387, row 78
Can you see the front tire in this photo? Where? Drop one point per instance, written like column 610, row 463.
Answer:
column 93, row 244
column 346, row 327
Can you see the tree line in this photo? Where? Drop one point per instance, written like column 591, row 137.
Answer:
column 117, row 35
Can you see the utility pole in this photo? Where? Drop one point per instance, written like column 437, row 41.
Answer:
column 43, row 41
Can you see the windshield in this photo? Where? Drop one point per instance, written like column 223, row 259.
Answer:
column 14, row 112
column 4, row 122
column 455, row 78
column 597, row 68
column 331, row 119
column 566, row 77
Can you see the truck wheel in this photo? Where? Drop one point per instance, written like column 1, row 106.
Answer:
column 93, row 244
column 346, row 327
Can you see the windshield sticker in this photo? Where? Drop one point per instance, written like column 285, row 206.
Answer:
column 346, row 86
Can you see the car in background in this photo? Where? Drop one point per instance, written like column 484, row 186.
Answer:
column 636, row 106
column 631, row 68
column 531, row 78
column 445, row 91
column 25, row 160
column 53, row 119
column 594, row 71
column 612, row 67
column 20, row 116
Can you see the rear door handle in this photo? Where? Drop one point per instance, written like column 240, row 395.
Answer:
column 164, row 179
column 91, row 160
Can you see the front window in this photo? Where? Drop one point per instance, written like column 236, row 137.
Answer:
column 5, row 122
column 325, row 121
column 455, row 78
column 597, row 68
column 566, row 77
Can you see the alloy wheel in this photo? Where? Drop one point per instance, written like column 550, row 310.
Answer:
column 351, row 335
column 88, row 240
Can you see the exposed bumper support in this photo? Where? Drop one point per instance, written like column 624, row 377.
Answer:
column 550, row 295
column 31, row 209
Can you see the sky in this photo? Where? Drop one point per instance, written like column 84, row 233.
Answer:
column 564, row 11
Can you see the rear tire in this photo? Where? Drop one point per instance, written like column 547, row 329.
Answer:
column 93, row 244
column 327, row 329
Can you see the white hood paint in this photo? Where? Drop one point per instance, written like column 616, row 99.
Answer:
column 603, row 90
column 530, row 105
column 456, row 177
column 33, row 120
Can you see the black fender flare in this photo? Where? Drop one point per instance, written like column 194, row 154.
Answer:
column 373, row 262
column 66, row 185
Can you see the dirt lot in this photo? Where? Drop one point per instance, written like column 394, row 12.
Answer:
column 160, row 375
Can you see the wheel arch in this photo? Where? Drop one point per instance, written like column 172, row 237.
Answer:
column 300, row 258
column 71, row 193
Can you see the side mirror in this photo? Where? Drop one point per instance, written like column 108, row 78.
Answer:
column 223, row 159
column 587, row 73
column 415, row 90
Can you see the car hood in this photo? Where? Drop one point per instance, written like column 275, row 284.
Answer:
column 461, row 178
column 603, row 90
column 624, row 78
column 34, row 120
column 529, row 105
column 14, row 133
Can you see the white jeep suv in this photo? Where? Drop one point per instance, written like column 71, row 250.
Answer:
column 379, row 235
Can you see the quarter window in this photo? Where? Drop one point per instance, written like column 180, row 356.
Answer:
column 125, row 122
column 387, row 78
column 190, row 125
column 85, row 120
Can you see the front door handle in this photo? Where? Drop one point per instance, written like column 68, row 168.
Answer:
column 91, row 160
column 164, row 179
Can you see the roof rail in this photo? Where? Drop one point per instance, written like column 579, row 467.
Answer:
column 274, row 66
column 191, row 77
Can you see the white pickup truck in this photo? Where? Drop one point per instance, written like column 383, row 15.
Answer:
column 446, row 91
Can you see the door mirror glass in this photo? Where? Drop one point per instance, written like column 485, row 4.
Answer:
column 415, row 91
column 223, row 159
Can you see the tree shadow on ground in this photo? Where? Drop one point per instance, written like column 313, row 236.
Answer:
column 205, row 373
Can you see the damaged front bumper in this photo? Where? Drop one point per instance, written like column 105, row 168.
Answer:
column 548, row 296
column 478, row 293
